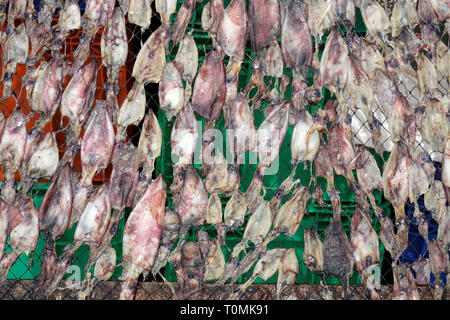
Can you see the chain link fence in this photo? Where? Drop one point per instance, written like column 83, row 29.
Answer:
column 27, row 268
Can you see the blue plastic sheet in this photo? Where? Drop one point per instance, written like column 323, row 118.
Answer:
column 417, row 246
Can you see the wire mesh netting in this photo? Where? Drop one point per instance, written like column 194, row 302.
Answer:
column 318, row 215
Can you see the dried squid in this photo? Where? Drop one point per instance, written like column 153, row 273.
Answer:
column 142, row 235
column 23, row 235
column 366, row 252
column 98, row 142
column 12, row 149
column 338, row 259
column 14, row 52
column 232, row 31
column 140, row 12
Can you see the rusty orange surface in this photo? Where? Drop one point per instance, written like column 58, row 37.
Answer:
column 19, row 96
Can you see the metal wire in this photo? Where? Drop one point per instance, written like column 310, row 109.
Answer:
column 319, row 217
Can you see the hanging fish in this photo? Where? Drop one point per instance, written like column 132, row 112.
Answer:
column 264, row 23
column 33, row 139
column 438, row 258
column 269, row 138
column 98, row 142
column 428, row 22
column 235, row 211
column 270, row 134
column 335, row 63
column 296, row 39
column 169, row 236
column 369, row 57
column 23, row 235
column 183, row 141
column 42, row 163
column 142, row 235
column 287, row 271
column 151, row 59
column 12, row 150
column 446, row 167
column 209, row 91
column 435, row 126
column 150, row 142
column 97, row 13
column 171, row 91
column 90, row 230
column 193, row 265
column 343, row 12
column 395, row 179
column 305, row 138
column 341, row 146
column 234, row 269
column 140, row 13
column 232, row 71
column 56, row 206
column 114, row 45
column 5, row 208
column 221, row 177
column 241, row 132
column 41, row 38
column 319, row 20
column 368, row 174
column 338, row 259
column 17, row 9
column 204, row 242
column 366, row 251
column 313, row 254
column 215, row 262
column 265, row 267
column 14, row 51
column 103, row 271
column 186, row 60
column 184, row 135
column 434, row 201
column 427, row 77
column 375, row 19
column 290, row 216
column 122, row 188
column 181, row 22
column 442, row 59
column 359, row 88
column 77, row 98
column 131, row 112
column 70, row 16
column 192, row 205
column 404, row 283
column 232, row 31
column 94, row 220
column 403, row 15
column 272, row 62
column 47, row 92
column 214, row 212
column 124, row 176
column 441, row 8
column 422, row 270
column 212, row 16
column 324, row 167
column 3, row 4
column 165, row 8
column 257, row 228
